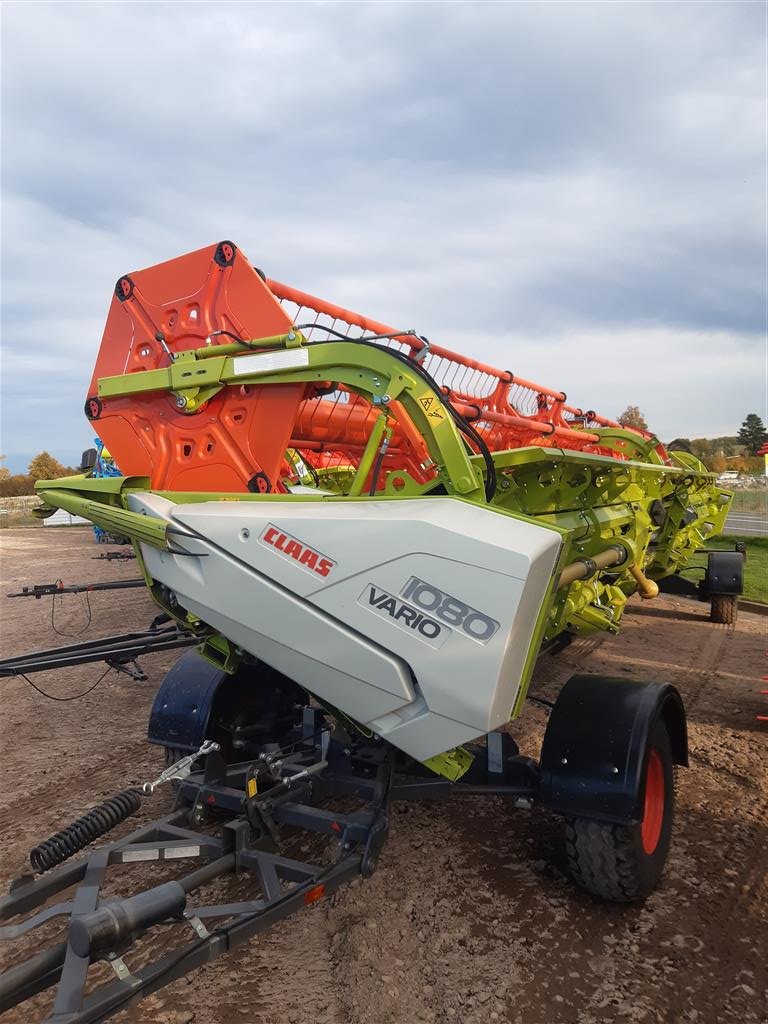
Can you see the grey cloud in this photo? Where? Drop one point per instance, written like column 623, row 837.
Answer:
column 479, row 171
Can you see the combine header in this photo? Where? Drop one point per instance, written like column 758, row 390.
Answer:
column 370, row 538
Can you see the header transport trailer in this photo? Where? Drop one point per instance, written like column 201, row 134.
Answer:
column 367, row 539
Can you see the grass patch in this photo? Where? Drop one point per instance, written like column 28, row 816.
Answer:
column 750, row 501
column 755, row 567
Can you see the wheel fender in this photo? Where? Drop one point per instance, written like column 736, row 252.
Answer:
column 725, row 573
column 184, row 702
column 593, row 755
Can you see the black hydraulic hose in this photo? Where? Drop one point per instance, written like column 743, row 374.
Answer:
column 363, row 337
column 468, row 430
column 377, row 466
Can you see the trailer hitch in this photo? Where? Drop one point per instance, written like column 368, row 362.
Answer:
column 180, row 769
column 101, row 928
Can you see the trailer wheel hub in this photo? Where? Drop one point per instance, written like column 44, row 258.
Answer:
column 653, row 810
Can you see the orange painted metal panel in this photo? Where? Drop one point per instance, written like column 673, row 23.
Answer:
column 238, row 439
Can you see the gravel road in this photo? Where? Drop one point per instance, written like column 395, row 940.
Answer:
column 470, row 917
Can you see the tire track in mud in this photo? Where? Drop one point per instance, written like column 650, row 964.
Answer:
column 702, row 666
column 106, row 773
column 697, row 680
column 736, row 904
column 285, row 975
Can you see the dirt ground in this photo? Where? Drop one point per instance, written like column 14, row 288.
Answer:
column 470, row 916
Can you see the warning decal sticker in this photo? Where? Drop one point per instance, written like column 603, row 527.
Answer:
column 432, row 406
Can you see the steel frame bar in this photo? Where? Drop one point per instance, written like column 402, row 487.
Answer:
column 123, row 646
column 39, row 590
column 170, row 838
column 173, row 838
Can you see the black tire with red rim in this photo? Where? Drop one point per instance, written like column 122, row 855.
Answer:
column 624, row 862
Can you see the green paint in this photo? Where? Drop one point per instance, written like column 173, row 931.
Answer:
column 375, row 373
column 451, row 765
column 107, row 515
column 220, row 652
column 370, row 451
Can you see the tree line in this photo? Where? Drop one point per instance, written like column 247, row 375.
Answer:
column 43, row 467
column 737, row 452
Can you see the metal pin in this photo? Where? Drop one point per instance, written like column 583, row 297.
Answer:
column 161, row 338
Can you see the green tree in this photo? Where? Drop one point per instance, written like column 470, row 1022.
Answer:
column 45, row 467
column 680, row 444
column 632, row 417
column 752, row 433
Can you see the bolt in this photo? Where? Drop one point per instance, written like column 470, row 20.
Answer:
column 145, row 351
column 245, row 534
column 181, row 401
column 563, row 760
column 614, row 770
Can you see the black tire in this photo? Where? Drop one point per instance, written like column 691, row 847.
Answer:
column 724, row 608
column 173, row 754
column 618, row 862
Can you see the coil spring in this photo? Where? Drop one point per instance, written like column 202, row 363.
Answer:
column 94, row 823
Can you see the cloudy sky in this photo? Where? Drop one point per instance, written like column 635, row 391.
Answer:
column 573, row 191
